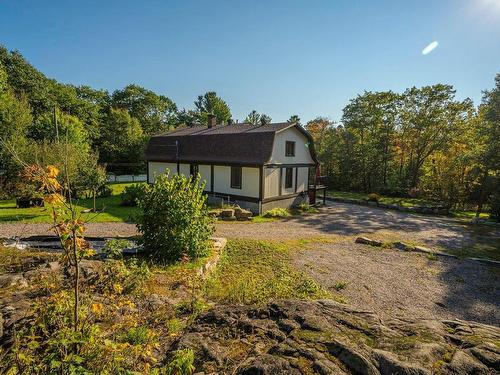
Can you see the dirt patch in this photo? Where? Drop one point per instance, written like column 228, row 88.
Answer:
column 394, row 283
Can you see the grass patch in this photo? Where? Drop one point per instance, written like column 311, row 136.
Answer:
column 252, row 271
column 277, row 213
column 111, row 210
column 404, row 202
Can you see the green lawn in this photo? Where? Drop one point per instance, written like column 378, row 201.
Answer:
column 406, row 202
column 251, row 271
column 110, row 206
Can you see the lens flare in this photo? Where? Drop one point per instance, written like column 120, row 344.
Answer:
column 430, row 47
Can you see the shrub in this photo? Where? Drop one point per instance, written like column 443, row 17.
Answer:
column 118, row 277
column 138, row 336
column 113, row 248
column 181, row 363
column 278, row 213
column 173, row 218
column 307, row 209
column 373, row 197
column 131, row 194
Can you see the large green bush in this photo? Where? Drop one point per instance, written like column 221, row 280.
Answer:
column 174, row 219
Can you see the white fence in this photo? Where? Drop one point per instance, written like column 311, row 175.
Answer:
column 127, row 178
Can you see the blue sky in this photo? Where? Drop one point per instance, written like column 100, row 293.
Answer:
column 278, row 57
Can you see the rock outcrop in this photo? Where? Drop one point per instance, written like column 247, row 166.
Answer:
column 324, row 337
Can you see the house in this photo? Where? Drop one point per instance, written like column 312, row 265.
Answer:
column 258, row 167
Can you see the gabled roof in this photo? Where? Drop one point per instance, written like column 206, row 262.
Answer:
column 236, row 144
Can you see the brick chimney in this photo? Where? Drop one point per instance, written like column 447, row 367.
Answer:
column 212, row 121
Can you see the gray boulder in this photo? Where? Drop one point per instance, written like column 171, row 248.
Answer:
column 267, row 365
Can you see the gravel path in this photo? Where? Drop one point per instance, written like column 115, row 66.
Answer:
column 394, row 283
column 334, row 219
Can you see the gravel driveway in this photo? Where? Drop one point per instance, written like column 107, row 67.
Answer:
column 394, row 283
column 384, row 280
column 334, row 219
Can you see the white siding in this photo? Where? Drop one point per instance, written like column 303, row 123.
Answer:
column 249, row 181
column 302, row 176
column 157, row 168
column 184, row 169
column 206, row 174
column 272, row 182
column 302, row 153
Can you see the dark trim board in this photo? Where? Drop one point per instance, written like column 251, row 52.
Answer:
column 287, row 165
column 296, row 177
column 281, row 197
column 234, row 197
column 211, row 162
column 206, row 162
column 261, row 183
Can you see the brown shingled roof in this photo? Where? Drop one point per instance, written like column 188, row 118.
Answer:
column 236, row 144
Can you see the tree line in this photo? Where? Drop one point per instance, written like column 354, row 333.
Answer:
column 40, row 116
column 422, row 142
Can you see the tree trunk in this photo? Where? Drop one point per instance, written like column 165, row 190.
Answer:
column 76, row 283
column 93, row 196
column 482, row 193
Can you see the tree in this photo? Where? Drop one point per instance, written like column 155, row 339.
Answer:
column 488, row 132
column 15, row 118
column 91, row 177
column 210, row 103
column 265, row 119
column 122, row 139
column 252, row 118
column 155, row 112
column 294, row 119
column 371, row 120
column 24, row 79
column 430, row 118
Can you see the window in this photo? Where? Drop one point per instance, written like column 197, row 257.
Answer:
column 236, row 177
column 193, row 169
column 289, row 148
column 288, row 178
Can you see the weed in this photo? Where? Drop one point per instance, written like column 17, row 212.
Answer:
column 174, row 326
column 432, row 256
column 138, row 336
column 278, row 213
column 340, row 285
column 181, row 363
column 341, row 299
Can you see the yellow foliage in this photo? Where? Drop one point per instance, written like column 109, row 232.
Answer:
column 52, row 171
column 55, row 199
column 117, row 288
column 97, row 308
